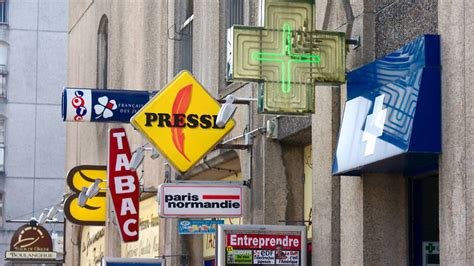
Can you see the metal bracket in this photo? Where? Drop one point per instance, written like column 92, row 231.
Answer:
column 232, row 146
column 247, row 183
column 355, row 42
column 272, row 128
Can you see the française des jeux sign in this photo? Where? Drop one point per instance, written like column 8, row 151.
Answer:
column 124, row 187
column 180, row 122
column 287, row 56
column 87, row 105
column 200, row 200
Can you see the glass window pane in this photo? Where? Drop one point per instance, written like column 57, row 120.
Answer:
column 2, row 159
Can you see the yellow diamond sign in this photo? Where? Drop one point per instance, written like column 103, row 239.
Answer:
column 180, row 122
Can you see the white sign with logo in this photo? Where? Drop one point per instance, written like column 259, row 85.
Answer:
column 200, row 200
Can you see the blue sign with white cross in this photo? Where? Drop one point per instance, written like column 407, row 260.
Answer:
column 392, row 117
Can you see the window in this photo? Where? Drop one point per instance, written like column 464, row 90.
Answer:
column 185, row 39
column 235, row 14
column 3, row 68
column 3, row 11
column 2, row 144
column 1, row 209
column 102, row 52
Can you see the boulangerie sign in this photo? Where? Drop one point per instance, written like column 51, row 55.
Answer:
column 124, row 187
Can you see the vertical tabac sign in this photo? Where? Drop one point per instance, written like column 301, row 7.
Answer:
column 287, row 56
column 124, row 187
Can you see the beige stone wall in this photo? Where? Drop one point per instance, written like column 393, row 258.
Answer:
column 348, row 229
column 137, row 59
column 456, row 185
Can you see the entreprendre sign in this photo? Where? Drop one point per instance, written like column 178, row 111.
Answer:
column 180, row 122
column 196, row 200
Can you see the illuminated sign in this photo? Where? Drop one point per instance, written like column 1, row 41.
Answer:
column 392, row 117
column 180, row 122
column 124, row 187
column 86, row 105
column 287, row 56
column 200, row 200
column 31, row 242
column 261, row 245
column 94, row 212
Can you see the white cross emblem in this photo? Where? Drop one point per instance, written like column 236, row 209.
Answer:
column 374, row 125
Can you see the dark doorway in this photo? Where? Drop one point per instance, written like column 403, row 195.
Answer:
column 424, row 221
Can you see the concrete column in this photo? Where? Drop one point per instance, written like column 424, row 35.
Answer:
column 173, row 244
column 352, row 229
column 326, row 188
column 276, row 194
column 293, row 159
column 72, row 242
column 352, row 188
column 113, row 240
column 385, row 215
column 456, row 172
column 193, row 246
column 269, row 184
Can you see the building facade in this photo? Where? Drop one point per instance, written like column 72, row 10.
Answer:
column 375, row 218
column 33, row 41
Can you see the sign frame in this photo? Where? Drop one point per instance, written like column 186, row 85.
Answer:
column 249, row 229
column 161, row 198
column 138, row 261
column 124, row 172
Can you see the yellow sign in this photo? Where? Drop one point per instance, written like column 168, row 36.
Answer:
column 94, row 212
column 180, row 122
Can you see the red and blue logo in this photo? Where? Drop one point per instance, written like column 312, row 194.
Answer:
column 78, row 103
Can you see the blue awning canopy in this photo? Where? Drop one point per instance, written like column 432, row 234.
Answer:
column 392, row 118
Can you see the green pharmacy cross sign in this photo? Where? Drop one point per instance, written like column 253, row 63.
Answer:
column 287, row 57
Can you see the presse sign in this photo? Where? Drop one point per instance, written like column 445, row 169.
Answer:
column 180, row 122
column 184, row 200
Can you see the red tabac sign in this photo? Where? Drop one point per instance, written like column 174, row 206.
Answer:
column 124, row 187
